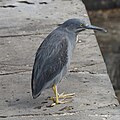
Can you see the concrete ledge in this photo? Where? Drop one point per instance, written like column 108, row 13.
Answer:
column 23, row 28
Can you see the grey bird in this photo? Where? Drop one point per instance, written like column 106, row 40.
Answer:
column 54, row 55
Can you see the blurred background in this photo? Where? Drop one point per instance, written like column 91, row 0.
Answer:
column 106, row 13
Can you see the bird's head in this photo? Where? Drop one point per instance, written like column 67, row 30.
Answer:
column 77, row 25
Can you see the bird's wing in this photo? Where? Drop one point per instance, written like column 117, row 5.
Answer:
column 50, row 59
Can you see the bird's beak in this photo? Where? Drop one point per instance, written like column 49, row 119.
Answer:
column 95, row 28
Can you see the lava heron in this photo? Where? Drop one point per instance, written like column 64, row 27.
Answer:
column 53, row 57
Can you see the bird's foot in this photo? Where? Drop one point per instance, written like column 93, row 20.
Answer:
column 66, row 96
column 60, row 102
column 56, row 100
column 62, row 96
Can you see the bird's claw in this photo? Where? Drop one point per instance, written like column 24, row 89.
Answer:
column 62, row 95
column 66, row 95
column 60, row 102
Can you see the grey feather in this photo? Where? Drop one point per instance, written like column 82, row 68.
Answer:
column 50, row 59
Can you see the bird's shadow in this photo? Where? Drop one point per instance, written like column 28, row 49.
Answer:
column 29, row 102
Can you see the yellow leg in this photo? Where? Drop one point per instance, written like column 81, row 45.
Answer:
column 57, row 96
column 56, row 93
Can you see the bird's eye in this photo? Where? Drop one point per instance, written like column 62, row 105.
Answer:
column 81, row 25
